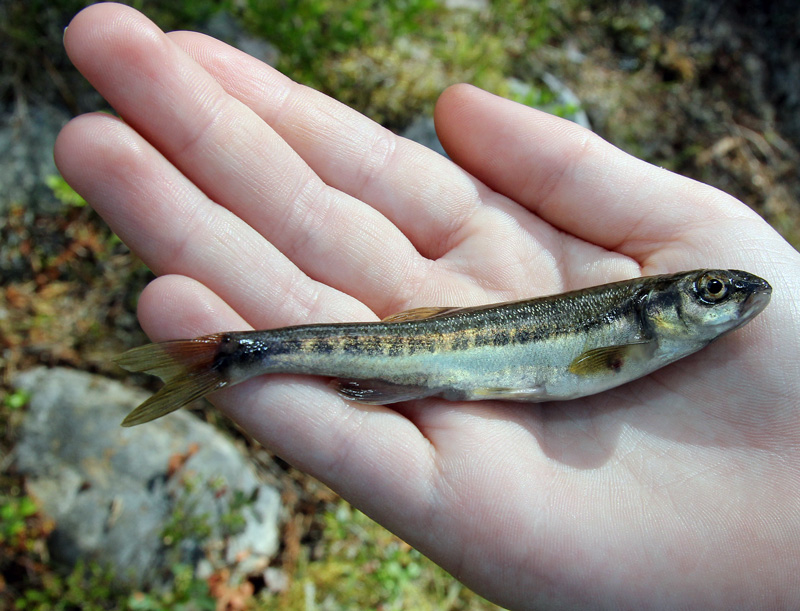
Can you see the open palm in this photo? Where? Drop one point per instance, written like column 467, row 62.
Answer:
column 261, row 203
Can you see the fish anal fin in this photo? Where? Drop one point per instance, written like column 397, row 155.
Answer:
column 532, row 394
column 420, row 314
column 610, row 359
column 378, row 392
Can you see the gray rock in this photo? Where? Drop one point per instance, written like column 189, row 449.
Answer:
column 225, row 27
column 27, row 137
column 423, row 131
column 475, row 6
column 566, row 105
column 567, row 97
column 110, row 491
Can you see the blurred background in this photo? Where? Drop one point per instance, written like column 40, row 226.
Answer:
column 707, row 88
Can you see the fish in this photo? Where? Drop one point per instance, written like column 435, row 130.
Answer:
column 549, row 348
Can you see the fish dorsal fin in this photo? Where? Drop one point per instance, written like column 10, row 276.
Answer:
column 420, row 314
column 610, row 359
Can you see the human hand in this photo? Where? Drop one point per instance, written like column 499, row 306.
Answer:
column 261, row 203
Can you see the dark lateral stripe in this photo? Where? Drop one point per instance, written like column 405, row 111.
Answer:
column 446, row 334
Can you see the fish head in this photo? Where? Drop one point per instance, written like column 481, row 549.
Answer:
column 706, row 304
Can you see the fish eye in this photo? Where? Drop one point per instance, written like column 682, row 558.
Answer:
column 711, row 288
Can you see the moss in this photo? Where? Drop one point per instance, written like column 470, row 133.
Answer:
column 391, row 62
column 360, row 565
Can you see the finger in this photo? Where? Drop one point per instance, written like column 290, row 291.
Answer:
column 176, row 229
column 576, row 181
column 421, row 192
column 234, row 157
column 202, row 311
column 446, row 213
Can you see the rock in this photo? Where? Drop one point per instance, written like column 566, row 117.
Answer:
column 423, row 131
column 566, row 104
column 475, row 6
column 26, row 139
column 223, row 26
column 139, row 499
column 567, row 98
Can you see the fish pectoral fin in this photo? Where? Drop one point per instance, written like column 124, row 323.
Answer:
column 420, row 314
column 610, row 359
column 378, row 392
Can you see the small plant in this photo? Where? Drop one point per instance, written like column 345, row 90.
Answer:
column 14, row 515
column 309, row 31
column 185, row 522
column 233, row 522
column 188, row 593
column 63, row 192
column 88, row 587
column 17, row 399
column 391, row 60
column 363, row 566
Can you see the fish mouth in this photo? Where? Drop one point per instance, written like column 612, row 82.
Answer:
column 759, row 295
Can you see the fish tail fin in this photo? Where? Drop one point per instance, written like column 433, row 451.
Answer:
column 187, row 368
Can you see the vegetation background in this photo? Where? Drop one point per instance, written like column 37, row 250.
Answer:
column 707, row 89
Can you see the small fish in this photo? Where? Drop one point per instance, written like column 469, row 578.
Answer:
column 548, row 348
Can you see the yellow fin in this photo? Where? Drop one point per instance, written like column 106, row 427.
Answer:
column 420, row 314
column 610, row 359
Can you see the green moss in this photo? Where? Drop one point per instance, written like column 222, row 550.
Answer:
column 308, row 31
column 63, row 192
column 188, row 593
column 360, row 565
column 87, row 588
column 14, row 514
column 17, row 399
column 391, row 61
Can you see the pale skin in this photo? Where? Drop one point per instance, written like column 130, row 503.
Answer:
column 261, row 203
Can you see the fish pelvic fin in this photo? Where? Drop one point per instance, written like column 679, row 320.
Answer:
column 187, row 368
column 379, row 392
